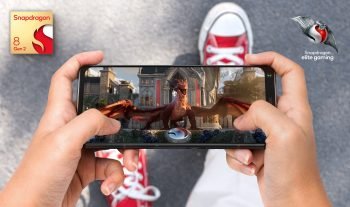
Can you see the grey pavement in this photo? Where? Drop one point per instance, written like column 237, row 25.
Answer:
column 166, row 32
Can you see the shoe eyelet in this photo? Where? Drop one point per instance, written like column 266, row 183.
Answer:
column 209, row 48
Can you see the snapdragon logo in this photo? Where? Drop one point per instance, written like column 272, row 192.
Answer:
column 318, row 33
column 32, row 17
column 31, row 32
column 43, row 39
column 317, row 55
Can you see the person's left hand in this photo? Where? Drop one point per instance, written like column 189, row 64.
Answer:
column 55, row 168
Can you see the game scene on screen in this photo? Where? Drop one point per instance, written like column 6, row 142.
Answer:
column 164, row 104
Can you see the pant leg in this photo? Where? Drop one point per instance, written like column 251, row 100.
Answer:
column 220, row 186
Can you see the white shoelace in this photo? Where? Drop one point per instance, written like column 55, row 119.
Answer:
column 229, row 53
column 132, row 188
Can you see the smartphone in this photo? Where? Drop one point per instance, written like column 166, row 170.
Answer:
column 175, row 106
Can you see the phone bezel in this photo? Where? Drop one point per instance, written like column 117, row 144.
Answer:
column 270, row 92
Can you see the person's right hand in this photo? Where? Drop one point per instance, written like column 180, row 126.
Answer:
column 287, row 169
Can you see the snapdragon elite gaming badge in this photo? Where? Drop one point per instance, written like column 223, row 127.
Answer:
column 31, row 32
column 316, row 31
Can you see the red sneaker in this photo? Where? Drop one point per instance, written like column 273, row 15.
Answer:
column 136, row 191
column 226, row 36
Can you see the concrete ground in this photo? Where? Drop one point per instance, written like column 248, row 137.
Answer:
column 166, row 32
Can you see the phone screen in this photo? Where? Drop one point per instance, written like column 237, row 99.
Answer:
column 175, row 105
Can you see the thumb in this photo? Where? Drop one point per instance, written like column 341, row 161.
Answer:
column 90, row 123
column 265, row 116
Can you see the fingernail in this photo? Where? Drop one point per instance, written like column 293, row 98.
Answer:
column 97, row 51
column 135, row 166
column 244, row 159
column 248, row 171
column 115, row 123
column 105, row 191
column 237, row 120
column 250, row 55
column 136, row 162
column 112, row 187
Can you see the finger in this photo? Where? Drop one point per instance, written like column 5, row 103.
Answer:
column 278, row 98
column 60, row 92
column 61, row 82
column 292, row 75
column 238, row 166
column 258, row 160
column 261, row 115
column 83, row 127
column 130, row 159
column 244, row 156
column 111, row 172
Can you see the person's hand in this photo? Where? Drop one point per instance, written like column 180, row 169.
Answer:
column 55, row 169
column 287, row 169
